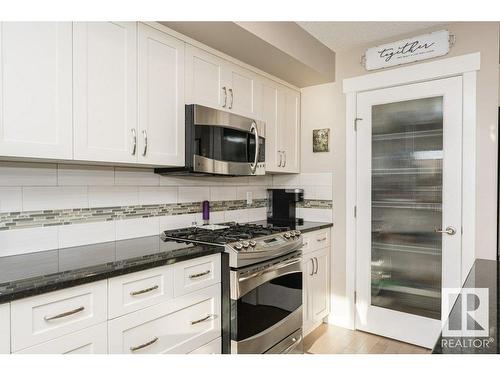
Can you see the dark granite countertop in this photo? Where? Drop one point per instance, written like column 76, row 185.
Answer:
column 31, row 274
column 307, row 226
column 484, row 274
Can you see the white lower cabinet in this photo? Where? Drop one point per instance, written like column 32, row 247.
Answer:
column 178, row 326
column 213, row 347
column 93, row 340
column 316, row 296
column 5, row 328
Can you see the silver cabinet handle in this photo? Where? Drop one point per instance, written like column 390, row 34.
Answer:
column 193, row 322
column 284, row 161
column 225, row 97
column 196, row 275
column 253, row 129
column 232, row 98
column 281, row 159
column 150, row 289
column 312, row 272
column 449, row 230
column 134, row 348
column 145, row 135
column 321, row 239
column 134, row 137
column 64, row 314
column 316, row 261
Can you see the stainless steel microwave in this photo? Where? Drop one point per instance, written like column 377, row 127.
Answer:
column 221, row 143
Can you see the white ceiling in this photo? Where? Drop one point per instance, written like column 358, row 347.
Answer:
column 344, row 35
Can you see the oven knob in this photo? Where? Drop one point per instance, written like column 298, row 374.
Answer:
column 238, row 246
column 292, row 234
column 252, row 243
column 297, row 232
column 245, row 244
column 286, row 235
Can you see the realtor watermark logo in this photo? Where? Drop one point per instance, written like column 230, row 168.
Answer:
column 468, row 322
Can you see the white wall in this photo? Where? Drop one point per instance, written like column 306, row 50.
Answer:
column 324, row 106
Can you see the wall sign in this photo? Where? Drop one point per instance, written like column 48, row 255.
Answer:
column 408, row 50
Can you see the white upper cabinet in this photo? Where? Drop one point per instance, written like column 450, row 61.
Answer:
column 281, row 112
column 35, row 90
column 161, row 98
column 105, row 91
column 242, row 90
column 204, row 79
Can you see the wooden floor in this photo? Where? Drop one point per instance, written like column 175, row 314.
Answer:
column 329, row 339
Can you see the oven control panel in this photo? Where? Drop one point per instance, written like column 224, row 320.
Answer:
column 266, row 243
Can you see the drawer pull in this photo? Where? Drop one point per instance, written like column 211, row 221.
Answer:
column 196, row 275
column 144, row 290
column 193, row 322
column 135, row 348
column 64, row 314
column 321, row 239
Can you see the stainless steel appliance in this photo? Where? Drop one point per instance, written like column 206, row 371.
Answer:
column 281, row 206
column 264, row 284
column 221, row 143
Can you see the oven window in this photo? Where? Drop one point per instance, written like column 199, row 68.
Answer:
column 234, row 145
column 265, row 306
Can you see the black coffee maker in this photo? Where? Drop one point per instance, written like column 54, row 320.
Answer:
column 281, row 206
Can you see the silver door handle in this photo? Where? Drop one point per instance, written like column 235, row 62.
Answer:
column 145, row 134
column 225, row 97
column 64, row 314
column 253, row 129
column 312, row 272
column 193, row 322
column 284, row 162
column 134, row 136
column 232, row 98
column 449, row 230
column 150, row 289
column 196, row 275
column 134, row 348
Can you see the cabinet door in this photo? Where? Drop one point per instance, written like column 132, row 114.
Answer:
column 5, row 328
column 308, row 270
column 161, row 98
column 35, row 90
column 289, row 131
column 269, row 113
column 105, row 91
column 242, row 90
column 204, row 79
column 319, row 307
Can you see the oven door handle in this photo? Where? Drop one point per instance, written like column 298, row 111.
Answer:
column 247, row 283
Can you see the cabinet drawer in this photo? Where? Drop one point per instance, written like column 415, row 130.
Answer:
column 41, row 318
column 316, row 240
column 91, row 340
column 213, row 347
column 196, row 274
column 129, row 293
column 177, row 326
column 5, row 328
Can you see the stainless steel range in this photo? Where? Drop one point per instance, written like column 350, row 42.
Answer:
column 264, row 285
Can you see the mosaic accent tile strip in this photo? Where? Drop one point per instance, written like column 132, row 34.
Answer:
column 316, row 203
column 45, row 218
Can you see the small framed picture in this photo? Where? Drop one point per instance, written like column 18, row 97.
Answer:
column 321, row 140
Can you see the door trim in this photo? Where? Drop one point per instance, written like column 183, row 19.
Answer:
column 465, row 66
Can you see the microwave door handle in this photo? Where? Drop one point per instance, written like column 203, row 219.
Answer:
column 253, row 129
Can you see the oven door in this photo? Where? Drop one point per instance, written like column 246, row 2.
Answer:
column 227, row 144
column 266, row 305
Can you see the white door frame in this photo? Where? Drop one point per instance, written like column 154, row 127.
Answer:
column 465, row 66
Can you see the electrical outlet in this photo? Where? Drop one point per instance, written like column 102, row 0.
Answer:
column 249, row 198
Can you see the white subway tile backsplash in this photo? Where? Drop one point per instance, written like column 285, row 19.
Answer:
column 36, row 198
column 85, row 175
column 222, row 193
column 111, row 196
column 193, row 194
column 28, row 174
column 256, row 214
column 136, row 177
column 315, row 214
column 266, row 180
column 186, row 181
column 287, row 180
column 29, row 240
column 140, row 227
column 258, row 192
column 238, row 216
column 316, row 179
column 177, row 221
column 157, row 194
column 11, row 199
column 87, row 233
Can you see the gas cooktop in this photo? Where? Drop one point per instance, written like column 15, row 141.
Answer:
column 245, row 243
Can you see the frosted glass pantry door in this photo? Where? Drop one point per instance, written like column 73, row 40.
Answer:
column 408, row 208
